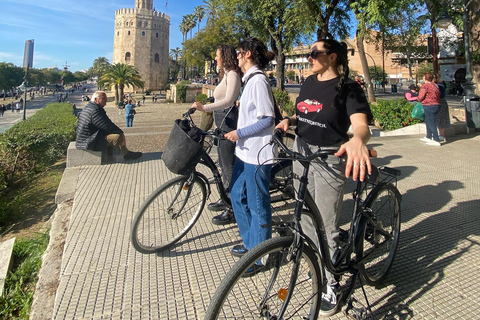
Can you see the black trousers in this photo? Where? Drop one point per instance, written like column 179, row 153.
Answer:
column 226, row 121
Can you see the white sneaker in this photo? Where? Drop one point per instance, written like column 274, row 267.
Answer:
column 434, row 143
column 442, row 139
column 425, row 139
column 329, row 304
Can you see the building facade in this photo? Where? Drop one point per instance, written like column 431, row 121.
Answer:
column 141, row 39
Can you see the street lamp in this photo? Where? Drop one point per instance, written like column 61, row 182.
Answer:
column 443, row 22
column 24, row 87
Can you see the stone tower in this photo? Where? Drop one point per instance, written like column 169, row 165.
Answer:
column 141, row 39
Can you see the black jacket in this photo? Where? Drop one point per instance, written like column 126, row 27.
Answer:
column 93, row 127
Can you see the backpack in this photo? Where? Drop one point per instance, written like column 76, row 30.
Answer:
column 276, row 109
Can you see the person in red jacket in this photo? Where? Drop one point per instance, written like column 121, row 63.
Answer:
column 429, row 96
column 412, row 94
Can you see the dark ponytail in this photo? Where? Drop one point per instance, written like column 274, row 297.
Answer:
column 260, row 54
column 339, row 48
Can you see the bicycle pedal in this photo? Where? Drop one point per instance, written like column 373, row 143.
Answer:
column 358, row 311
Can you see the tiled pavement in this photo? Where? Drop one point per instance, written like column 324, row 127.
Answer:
column 435, row 274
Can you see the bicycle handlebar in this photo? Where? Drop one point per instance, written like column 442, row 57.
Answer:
column 277, row 139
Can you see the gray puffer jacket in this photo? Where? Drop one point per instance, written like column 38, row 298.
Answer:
column 93, row 127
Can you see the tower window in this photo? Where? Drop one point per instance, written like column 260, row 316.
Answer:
column 157, row 58
column 146, row 24
column 139, row 24
column 128, row 55
column 143, row 33
column 131, row 23
column 156, row 35
column 118, row 33
column 128, row 32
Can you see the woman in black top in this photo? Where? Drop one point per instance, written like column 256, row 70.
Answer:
column 328, row 103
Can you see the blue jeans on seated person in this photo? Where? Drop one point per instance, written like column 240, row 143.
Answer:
column 249, row 192
column 431, row 121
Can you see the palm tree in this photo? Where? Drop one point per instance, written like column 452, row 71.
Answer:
column 120, row 75
column 184, row 28
column 199, row 14
column 175, row 53
column 191, row 23
column 99, row 66
column 212, row 8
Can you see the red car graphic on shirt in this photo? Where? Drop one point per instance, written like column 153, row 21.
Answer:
column 309, row 105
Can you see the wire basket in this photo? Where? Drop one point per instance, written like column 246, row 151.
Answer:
column 181, row 153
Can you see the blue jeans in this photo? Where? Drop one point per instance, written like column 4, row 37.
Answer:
column 129, row 121
column 431, row 121
column 250, row 197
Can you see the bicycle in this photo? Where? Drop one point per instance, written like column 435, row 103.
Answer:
column 172, row 209
column 290, row 279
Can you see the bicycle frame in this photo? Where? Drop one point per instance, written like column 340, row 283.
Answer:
column 333, row 264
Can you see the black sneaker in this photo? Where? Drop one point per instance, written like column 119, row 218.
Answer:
column 217, row 206
column 132, row 155
column 226, row 217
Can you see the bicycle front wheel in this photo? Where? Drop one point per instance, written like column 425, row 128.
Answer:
column 262, row 296
column 168, row 214
column 380, row 234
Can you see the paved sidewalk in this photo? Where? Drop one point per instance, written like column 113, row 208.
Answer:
column 435, row 274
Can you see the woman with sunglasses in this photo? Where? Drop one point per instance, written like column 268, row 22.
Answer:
column 225, row 115
column 251, row 173
column 328, row 103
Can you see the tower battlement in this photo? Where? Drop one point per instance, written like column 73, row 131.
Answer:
column 143, row 12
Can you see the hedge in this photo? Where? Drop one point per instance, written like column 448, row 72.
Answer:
column 39, row 141
column 393, row 114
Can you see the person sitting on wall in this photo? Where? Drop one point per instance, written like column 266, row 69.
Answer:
column 95, row 130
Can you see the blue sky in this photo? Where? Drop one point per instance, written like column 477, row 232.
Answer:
column 73, row 32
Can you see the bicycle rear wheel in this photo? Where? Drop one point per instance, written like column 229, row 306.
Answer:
column 168, row 214
column 380, row 234
column 262, row 295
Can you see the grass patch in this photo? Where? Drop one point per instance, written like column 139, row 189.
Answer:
column 20, row 282
column 26, row 208
column 29, row 202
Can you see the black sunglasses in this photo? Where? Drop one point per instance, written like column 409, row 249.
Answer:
column 315, row 53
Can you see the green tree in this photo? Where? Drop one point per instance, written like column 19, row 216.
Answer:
column 52, row 76
column 199, row 14
column 376, row 73
column 290, row 74
column 11, row 76
column 120, row 75
column 80, row 76
column 212, row 7
column 184, row 28
column 100, row 66
column 278, row 21
column 331, row 17
column 67, row 77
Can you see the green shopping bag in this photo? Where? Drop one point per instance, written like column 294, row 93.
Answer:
column 418, row 112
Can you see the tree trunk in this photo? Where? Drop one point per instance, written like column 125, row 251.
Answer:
column 116, row 94
column 121, row 87
column 366, row 72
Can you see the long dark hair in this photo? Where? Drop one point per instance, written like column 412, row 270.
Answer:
column 340, row 49
column 229, row 60
column 260, row 54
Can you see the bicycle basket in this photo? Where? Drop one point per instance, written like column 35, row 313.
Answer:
column 181, row 152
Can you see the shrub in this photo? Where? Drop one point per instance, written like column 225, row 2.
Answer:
column 181, row 92
column 393, row 114
column 31, row 145
column 148, row 92
column 201, row 97
column 283, row 101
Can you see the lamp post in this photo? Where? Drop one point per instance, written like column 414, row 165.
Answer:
column 24, row 87
column 443, row 22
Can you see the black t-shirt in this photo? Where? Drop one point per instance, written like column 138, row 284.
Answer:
column 319, row 121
